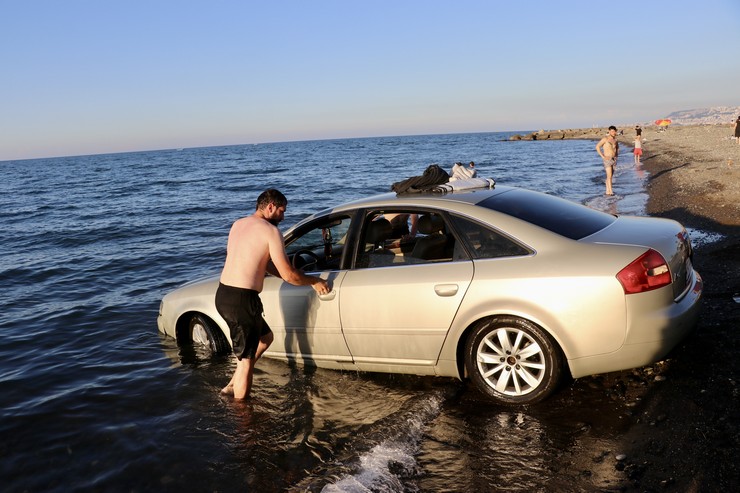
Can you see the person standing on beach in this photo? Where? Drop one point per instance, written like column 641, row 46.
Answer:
column 608, row 149
column 255, row 247
column 737, row 129
column 638, row 148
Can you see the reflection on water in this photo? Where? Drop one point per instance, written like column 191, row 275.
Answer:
column 488, row 450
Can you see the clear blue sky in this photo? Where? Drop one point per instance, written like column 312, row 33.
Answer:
column 87, row 77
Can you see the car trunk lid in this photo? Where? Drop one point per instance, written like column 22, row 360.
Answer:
column 667, row 237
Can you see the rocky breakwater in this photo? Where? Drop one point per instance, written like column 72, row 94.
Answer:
column 571, row 133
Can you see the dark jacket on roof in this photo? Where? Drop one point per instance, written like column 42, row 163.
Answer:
column 433, row 176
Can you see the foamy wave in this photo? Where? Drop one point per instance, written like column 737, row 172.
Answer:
column 700, row 238
column 384, row 467
column 381, row 470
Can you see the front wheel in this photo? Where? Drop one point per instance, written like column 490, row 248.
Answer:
column 206, row 334
column 513, row 361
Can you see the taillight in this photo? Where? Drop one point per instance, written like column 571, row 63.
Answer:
column 649, row 271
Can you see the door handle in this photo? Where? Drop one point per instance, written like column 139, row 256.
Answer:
column 446, row 289
column 328, row 296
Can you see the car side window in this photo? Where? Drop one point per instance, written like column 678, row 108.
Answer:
column 405, row 237
column 485, row 242
column 320, row 245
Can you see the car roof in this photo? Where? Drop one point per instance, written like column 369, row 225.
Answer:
column 471, row 196
column 560, row 216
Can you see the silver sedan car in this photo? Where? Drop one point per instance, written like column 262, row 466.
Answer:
column 511, row 288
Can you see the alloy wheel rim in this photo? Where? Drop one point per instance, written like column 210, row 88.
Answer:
column 511, row 361
column 199, row 335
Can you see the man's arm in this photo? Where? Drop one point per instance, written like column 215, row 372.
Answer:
column 599, row 145
column 286, row 271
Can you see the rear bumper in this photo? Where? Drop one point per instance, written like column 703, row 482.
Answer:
column 652, row 332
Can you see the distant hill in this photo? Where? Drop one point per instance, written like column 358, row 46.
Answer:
column 705, row 116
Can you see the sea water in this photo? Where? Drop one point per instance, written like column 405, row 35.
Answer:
column 93, row 398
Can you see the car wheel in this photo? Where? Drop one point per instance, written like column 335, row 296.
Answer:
column 513, row 361
column 205, row 333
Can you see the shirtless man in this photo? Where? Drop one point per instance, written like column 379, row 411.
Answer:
column 255, row 246
column 608, row 149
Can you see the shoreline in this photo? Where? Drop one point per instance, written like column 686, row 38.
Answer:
column 684, row 433
column 694, row 171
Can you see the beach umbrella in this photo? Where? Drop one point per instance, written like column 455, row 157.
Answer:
column 663, row 123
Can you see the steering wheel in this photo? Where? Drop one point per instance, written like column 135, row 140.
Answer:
column 314, row 262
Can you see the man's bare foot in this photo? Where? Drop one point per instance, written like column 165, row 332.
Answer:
column 228, row 390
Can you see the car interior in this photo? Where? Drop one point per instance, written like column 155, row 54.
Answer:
column 419, row 238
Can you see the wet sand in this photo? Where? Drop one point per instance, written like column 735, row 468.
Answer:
column 685, row 430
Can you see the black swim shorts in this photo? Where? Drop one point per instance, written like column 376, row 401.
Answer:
column 242, row 310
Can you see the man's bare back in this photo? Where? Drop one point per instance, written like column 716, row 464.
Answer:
column 247, row 253
column 255, row 247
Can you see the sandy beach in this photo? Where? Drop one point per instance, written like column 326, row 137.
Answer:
column 685, row 433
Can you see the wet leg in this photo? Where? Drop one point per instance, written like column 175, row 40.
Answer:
column 609, row 174
column 240, row 385
column 243, row 378
column 229, row 389
column 265, row 342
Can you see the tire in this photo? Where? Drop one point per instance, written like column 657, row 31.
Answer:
column 513, row 361
column 204, row 333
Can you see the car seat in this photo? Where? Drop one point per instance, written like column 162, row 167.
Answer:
column 433, row 245
column 378, row 231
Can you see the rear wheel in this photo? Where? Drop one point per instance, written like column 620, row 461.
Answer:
column 205, row 334
column 513, row 361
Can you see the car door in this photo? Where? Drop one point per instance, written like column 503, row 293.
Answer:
column 397, row 303
column 306, row 326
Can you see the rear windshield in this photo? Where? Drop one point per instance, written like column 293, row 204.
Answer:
column 560, row 216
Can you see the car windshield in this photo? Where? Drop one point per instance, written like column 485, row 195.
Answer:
column 558, row 215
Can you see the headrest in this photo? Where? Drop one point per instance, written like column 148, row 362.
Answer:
column 378, row 230
column 430, row 223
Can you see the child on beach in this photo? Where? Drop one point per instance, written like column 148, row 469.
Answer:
column 638, row 148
